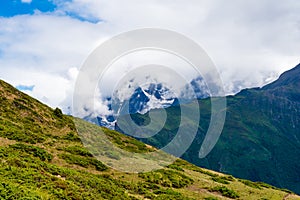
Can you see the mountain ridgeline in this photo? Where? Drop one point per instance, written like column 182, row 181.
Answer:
column 42, row 157
column 260, row 140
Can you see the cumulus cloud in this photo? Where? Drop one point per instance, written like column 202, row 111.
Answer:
column 251, row 42
column 45, row 51
column 26, row 1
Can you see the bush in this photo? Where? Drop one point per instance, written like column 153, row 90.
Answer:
column 71, row 137
column 8, row 191
column 286, row 190
column 71, row 159
column 265, row 185
column 98, row 164
column 176, row 167
column 202, row 171
column 225, row 191
column 58, row 113
column 22, row 135
column 250, row 184
column 33, row 150
column 220, row 179
column 78, row 150
column 167, row 178
column 83, row 161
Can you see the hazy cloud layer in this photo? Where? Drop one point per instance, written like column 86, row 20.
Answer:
column 251, row 42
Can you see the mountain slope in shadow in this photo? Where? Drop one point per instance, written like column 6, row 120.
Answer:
column 260, row 140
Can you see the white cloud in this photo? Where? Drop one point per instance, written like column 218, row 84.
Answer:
column 251, row 42
column 26, row 1
column 46, row 51
column 49, row 88
column 247, row 40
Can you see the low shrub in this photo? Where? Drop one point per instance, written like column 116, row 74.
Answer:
column 220, row 179
column 83, row 161
column 176, row 167
column 250, row 183
column 202, row 171
column 78, row 150
column 33, row 150
column 225, row 191
column 71, row 137
column 167, row 178
column 58, row 113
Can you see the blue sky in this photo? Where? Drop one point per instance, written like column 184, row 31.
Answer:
column 10, row 8
column 44, row 43
column 25, row 87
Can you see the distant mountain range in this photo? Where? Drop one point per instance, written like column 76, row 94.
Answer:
column 260, row 140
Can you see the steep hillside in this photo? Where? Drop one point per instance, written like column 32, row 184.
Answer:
column 261, row 137
column 42, row 157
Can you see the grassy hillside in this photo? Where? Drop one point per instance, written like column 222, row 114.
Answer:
column 42, row 157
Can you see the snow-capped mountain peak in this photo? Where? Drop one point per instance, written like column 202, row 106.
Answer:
column 150, row 96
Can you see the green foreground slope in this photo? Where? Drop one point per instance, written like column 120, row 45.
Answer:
column 42, row 157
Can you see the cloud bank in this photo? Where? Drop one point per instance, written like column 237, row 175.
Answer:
column 250, row 42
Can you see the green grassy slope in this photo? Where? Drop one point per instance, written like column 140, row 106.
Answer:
column 42, row 157
column 260, row 140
